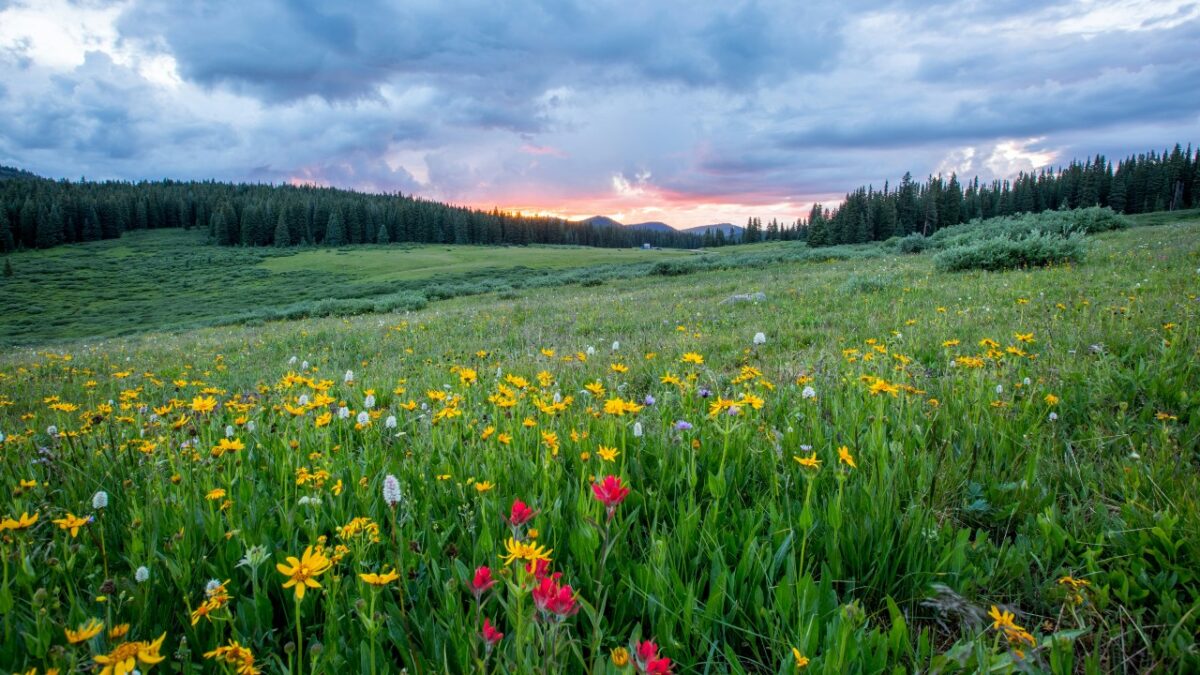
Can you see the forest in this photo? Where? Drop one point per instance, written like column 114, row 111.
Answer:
column 40, row 213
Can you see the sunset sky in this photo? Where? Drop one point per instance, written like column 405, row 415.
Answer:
column 688, row 112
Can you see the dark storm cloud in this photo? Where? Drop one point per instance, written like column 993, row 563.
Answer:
column 286, row 50
column 513, row 103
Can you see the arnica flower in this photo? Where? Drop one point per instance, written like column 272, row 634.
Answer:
column 25, row 522
column 391, row 491
column 72, row 522
column 648, row 660
column 301, row 572
column 490, row 635
column 234, row 654
column 810, row 462
column 529, row 552
column 482, row 581
column 801, row 660
column 127, row 656
column 620, row 657
column 520, row 513
column 610, row 492
column 846, row 458
column 379, row 580
column 555, row 600
column 86, row 631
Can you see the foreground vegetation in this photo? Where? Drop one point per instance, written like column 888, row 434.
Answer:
column 990, row 471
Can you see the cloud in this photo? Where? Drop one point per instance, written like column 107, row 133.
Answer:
column 683, row 110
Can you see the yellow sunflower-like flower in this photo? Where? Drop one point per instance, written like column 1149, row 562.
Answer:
column 302, row 572
column 125, row 657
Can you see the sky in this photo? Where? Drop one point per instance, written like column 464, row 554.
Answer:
column 685, row 111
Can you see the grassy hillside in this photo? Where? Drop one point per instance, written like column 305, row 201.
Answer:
column 171, row 278
column 1019, row 442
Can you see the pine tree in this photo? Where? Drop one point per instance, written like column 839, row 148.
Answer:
column 283, row 237
column 50, row 228
column 91, row 226
column 7, row 241
column 381, row 237
column 335, row 234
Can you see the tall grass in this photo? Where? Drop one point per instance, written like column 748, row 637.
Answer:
column 1007, row 433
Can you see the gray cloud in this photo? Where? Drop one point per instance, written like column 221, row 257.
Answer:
column 751, row 102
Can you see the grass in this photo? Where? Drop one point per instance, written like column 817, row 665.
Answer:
column 173, row 279
column 1013, row 435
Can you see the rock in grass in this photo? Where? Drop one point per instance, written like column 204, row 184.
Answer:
column 745, row 297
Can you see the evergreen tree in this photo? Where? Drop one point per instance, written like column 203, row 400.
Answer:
column 335, row 234
column 283, row 237
column 50, row 228
column 8, row 269
column 381, row 236
column 7, row 241
column 91, row 226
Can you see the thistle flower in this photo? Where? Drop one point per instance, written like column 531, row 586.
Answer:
column 100, row 500
column 369, row 402
column 649, row 400
column 391, row 491
column 1053, row 416
column 363, row 419
column 616, row 346
column 808, row 392
column 390, row 422
column 683, row 425
column 348, row 378
column 142, row 574
column 228, row 431
column 343, row 412
column 637, row 429
column 760, row 338
column 52, row 431
column 304, row 365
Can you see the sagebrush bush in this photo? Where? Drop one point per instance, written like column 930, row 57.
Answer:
column 1000, row 253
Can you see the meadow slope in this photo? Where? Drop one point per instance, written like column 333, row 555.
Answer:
column 915, row 471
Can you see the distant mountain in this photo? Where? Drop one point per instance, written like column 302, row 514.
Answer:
column 601, row 221
column 653, row 226
column 729, row 229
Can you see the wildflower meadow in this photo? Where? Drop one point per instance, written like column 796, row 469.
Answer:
column 875, row 466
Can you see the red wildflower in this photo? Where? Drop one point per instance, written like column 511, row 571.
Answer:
column 540, row 568
column 554, row 599
column 648, row 661
column 490, row 634
column 520, row 514
column 482, row 582
column 610, row 492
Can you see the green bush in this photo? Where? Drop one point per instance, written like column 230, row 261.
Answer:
column 1001, row 253
column 913, row 243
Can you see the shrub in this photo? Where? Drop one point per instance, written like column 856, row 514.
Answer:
column 913, row 243
column 1001, row 253
column 867, row 283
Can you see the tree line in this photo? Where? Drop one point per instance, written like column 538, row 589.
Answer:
column 37, row 212
column 1143, row 183
column 40, row 213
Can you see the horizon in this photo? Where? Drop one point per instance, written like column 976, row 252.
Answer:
column 573, row 111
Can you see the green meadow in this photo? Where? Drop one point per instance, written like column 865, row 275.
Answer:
column 174, row 278
column 913, row 470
